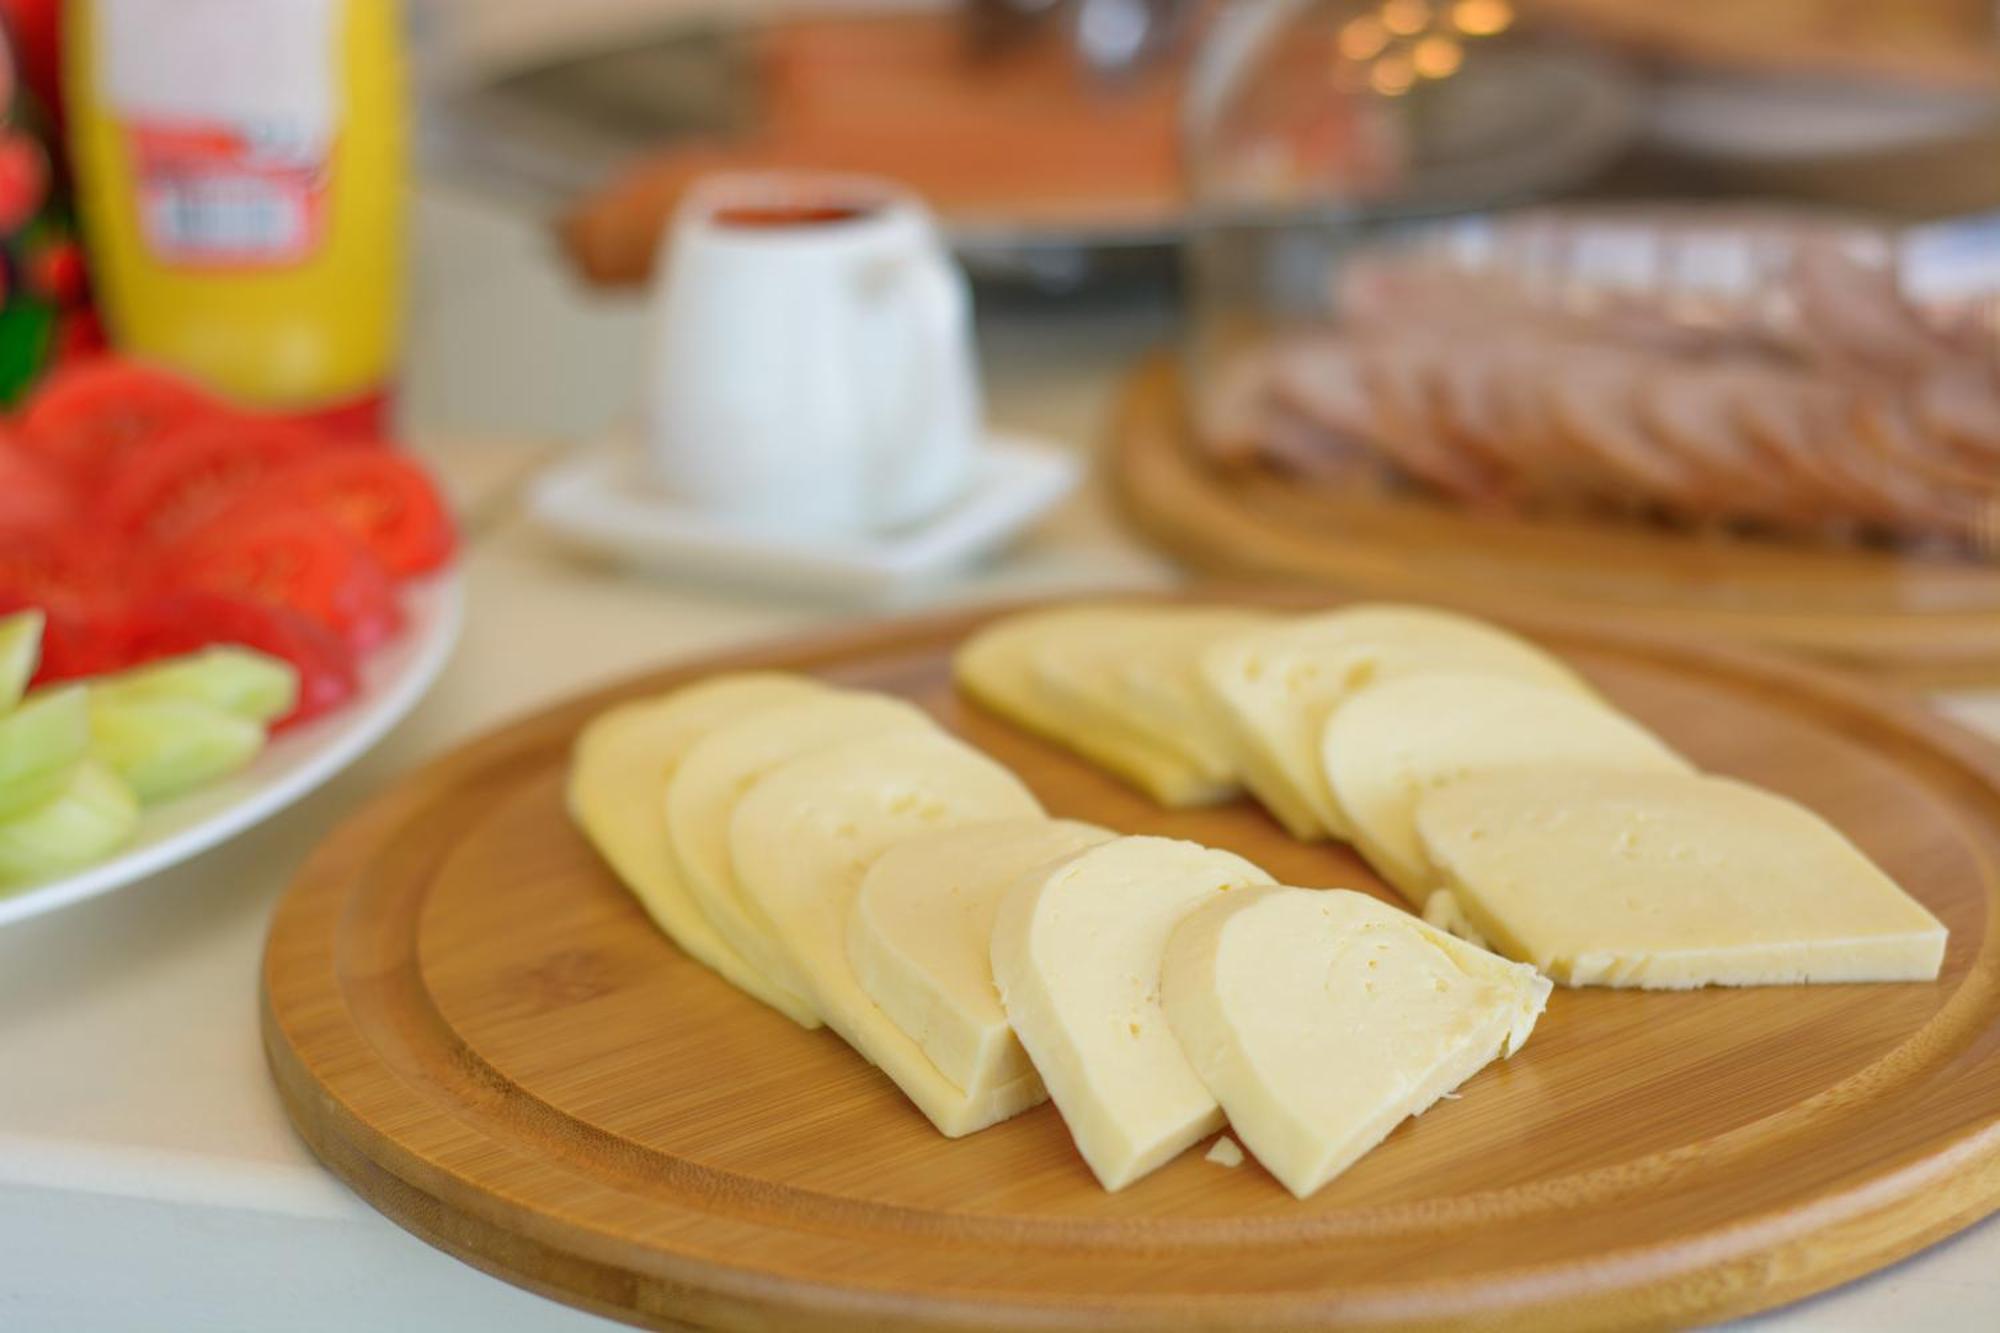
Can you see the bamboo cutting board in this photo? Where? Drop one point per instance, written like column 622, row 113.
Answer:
column 1930, row 622
column 474, row 1025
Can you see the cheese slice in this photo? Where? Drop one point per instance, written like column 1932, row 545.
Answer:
column 722, row 766
column 802, row 840
column 1136, row 667
column 1076, row 954
column 1390, row 743
column 920, row 936
column 1278, row 686
column 618, row 774
column 1668, row 881
column 995, row 666
column 1321, row 1019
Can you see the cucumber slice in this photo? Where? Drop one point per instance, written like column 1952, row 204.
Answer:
column 248, row 684
column 20, row 653
column 91, row 817
column 164, row 747
column 41, row 743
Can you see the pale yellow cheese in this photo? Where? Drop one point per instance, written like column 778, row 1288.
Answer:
column 1321, row 1019
column 802, row 839
column 1136, row 667
column 1277, row 687
column 618, row 775
column 1076, row 954
column 995, row 666
column 1391, row 742
column 1670, row 881
column 723, row 765
column 1225, row 1151
column 920, row 935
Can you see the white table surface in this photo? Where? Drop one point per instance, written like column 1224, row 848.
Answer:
column 148, row 1177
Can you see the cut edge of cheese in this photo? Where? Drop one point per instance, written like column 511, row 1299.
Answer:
column 1135, row 665
column 723, row 766
column 920, row 932
column 1076, row 955
column 1307, row 1094
column 619, row 766
column 802, row 840
column 1279, row 737
column 1391, row 742
column 1905, row 941
column 992, row 666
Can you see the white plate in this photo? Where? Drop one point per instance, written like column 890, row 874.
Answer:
column 602, row 501
column 392, row 680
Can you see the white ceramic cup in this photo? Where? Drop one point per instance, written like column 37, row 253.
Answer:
column 813, row 367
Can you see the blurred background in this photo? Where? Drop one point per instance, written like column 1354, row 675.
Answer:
column 1081, row 148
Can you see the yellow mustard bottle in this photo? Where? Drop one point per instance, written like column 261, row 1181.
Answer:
column 242, row 171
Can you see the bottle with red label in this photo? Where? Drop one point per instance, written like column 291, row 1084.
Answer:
column 241, row 170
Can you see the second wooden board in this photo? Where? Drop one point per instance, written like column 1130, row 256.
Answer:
column 1921, row 621
column 474, row 1024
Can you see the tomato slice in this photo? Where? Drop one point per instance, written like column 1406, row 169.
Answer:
column 33, row 497
column 166, row 489
column 77, row 583
column 87, row 415
column 181, row 622
column 291, row 557
column 388, row 502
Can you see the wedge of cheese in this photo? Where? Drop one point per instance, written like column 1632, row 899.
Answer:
column 1135, row 667
column 996, row 667
column 618, row 777
column 803, row 838
column 1668, row 881
column 722, row 766
column 1390, row 743
column 920, row 937
column 1076, row 954
column 1321, row 1019
column 1278, row 686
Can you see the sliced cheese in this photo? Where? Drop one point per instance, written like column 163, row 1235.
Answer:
column 802, row 839
column 1076, row 954
column 996, row 667
column 1669, row 881
column 722, row 766
column 1321, row 1019
column 1135, row 666
column 1392, row 742
column 920, row 937
column 1278, row 686
column 618, row 776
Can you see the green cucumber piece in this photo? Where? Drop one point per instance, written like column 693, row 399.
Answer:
column 250, row 685
column 90, row 818
column 20, row 654
column 41, row 743
column 165, row 747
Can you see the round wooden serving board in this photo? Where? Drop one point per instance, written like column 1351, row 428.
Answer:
column 1920, row 621
column 474, row 1025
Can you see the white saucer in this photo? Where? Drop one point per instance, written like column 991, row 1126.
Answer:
column 601, row 501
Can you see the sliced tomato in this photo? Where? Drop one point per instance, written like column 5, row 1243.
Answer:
column 292, row 557
column 387, row 501
column 165, row 490
column 172, row 623
column 33, row 497
column 79, row 585
column 86, row 416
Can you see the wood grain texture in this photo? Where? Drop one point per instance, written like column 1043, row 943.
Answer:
column 476, row 1027
column 1929, row 622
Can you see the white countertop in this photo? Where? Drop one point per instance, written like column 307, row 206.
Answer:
column 149, row 1179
